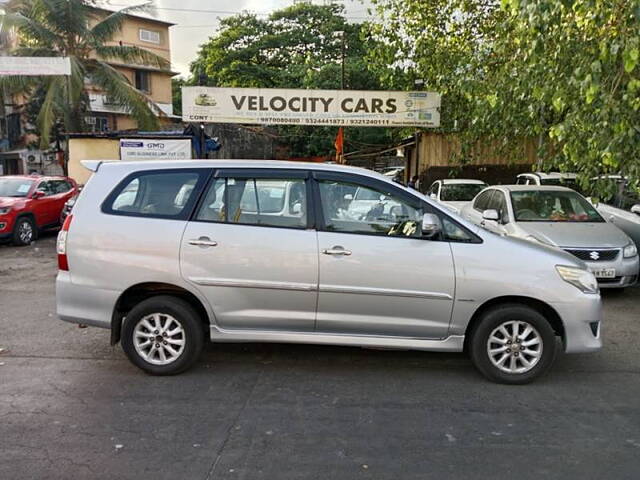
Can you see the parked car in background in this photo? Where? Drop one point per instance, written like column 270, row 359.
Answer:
column 68, row 205
column 621, row 205
column 568, row 180
column 562, row 218
column 162, row 253
column 29, row 203
column 455, row 193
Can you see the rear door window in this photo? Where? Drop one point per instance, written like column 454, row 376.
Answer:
column 160, row 193
column 270, row 202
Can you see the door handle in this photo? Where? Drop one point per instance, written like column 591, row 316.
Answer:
column 336, row 250
column 203, row 242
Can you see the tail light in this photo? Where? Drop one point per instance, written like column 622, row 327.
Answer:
column 61, row 245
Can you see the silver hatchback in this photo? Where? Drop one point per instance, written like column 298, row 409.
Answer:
column 165, row 254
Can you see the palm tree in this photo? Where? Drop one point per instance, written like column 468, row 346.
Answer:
column 76, row 29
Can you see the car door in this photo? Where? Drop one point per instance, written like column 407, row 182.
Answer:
column 251, row 250
column 44, row 208
column 497, row 202
column 60, row 194
column 377, row 274
column 480, row 204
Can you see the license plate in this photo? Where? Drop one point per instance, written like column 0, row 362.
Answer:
column 605, row 273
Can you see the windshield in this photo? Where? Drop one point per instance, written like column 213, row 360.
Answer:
column 552, row 206
column 461, row 192
column 15, row 187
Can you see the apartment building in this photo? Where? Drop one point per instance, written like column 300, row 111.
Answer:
column 152, row 35
column 104, row 114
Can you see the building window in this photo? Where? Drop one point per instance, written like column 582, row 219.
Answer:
column 143, row 81
column 150, row 36
column 97, row 124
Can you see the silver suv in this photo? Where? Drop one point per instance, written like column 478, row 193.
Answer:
column 166, row 253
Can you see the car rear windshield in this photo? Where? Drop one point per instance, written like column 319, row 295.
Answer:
column 15, row 187
column 461, row 192
column 552, row 206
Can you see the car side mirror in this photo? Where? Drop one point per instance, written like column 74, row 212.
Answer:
column 636, row 209
column 38, row 194
column 430, row 225
column 348, row 197
column 490, row 214
column 297, row 208
column 433, row 196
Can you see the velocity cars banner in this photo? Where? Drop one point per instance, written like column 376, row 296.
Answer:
column 310, row 107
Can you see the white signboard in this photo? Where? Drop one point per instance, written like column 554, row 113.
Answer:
column 147, row 149
column 310, row 107
column 35, row 66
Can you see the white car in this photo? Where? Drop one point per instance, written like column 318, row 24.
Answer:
column 552, row 178
column 455, row 193
column 562, row 218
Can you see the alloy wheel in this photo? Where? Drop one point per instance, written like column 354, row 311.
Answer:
column 515, row 347
column 159, row 339
column 25, row 232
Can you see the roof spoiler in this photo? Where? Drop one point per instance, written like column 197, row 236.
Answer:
column 93, row 165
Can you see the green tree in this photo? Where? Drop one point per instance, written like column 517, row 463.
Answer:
column 563, row 72
column 75, row 29
column 176, row 94
column 296, row 47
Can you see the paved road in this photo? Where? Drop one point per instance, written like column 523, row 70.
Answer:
column 72, row 407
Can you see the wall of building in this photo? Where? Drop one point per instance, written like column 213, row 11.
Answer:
column 438, row 156
column 90, row 149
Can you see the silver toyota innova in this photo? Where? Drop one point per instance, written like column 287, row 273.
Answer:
column 165, row 253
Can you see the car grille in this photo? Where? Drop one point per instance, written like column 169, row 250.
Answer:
column 595, row 255
column 610, row 280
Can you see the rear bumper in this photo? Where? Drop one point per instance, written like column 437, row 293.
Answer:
column 82, row 304
column 582, row 323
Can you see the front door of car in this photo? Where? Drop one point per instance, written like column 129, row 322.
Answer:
column 498, row 203
column 44, row 208
column 250, row 250
column 378, row 275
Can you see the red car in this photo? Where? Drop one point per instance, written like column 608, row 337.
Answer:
column 29, row 203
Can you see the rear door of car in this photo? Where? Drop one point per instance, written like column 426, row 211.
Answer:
column 251, row 249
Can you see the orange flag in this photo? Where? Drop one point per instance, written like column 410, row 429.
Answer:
column 339, row 144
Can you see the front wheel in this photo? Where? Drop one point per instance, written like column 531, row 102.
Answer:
column 163, row 335
column 513, row 344
column 24, row 232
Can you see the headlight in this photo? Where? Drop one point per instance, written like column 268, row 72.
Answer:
column 4, row 210
column 628, row 251
column 579, row 278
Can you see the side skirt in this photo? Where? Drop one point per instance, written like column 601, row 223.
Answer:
column 453, row 343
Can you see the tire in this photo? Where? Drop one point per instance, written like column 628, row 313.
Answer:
column 24, row 232
column 513, row 368
column 163, row 314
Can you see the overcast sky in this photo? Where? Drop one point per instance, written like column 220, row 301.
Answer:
column 197, row 20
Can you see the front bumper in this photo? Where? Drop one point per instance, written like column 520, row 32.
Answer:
column 582, row 322
column 626, row 269
column 626, row 272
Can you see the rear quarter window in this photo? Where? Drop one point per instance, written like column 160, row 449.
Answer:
column 158, row 193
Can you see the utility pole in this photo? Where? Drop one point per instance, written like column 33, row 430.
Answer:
column 342, row 55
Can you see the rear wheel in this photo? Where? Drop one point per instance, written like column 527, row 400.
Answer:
column 163, row 335
column 513, row 344
column 24, row 232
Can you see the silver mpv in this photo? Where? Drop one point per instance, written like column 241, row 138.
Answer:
column 166, row 253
